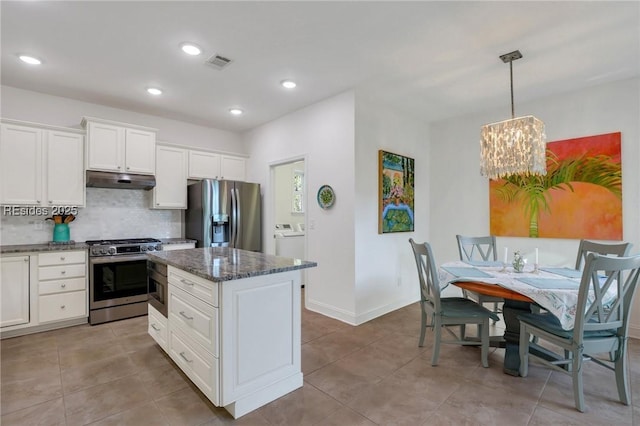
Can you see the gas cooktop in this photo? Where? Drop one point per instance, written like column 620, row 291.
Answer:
column 123, row 241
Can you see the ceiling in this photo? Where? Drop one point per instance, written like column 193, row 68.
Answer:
column 431, row 60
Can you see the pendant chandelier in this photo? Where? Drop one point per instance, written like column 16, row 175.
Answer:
column 516, row 146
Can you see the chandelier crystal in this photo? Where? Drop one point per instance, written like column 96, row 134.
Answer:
column 515, row 146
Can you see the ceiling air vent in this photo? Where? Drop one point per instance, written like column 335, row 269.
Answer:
column 218, row 62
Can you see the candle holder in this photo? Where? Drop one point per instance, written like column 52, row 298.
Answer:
column 535, row 268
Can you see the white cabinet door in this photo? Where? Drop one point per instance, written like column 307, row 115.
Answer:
column 105, row 147
column 232, row 168
column 170, row 191
column 14, row 281
column 140, row 151
column 21, row 165
column 65, row 168
column 204, row 165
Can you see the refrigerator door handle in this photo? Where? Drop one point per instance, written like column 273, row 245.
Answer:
column 238, row 216
column 234, row 219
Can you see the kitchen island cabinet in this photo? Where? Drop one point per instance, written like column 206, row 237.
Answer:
column 233, row 323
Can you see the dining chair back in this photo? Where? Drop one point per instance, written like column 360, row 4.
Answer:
column 439, row 313
column 605, row 298
column 587, row 246
column 479, row 249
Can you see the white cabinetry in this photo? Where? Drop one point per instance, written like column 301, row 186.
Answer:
column 238, row 341
column 62, row 286
column 120, row 147
column 41, row 165
column 211, row 165
column 14, row 289
column 170, row 191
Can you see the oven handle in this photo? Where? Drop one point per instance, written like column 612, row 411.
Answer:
column 116, row 259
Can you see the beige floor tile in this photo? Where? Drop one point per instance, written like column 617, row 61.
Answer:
column 343, row 380
column 489, row 406
column 94, row 373
column 101, row 401
column 164, row 380
column 345, row 416
column 186, row 407
column 544, row 417
column 146, row 414
column 78, row 356
column 304, row 406
column 130, row 326
column 50, row 413
column 84, row 337
column 28, row 391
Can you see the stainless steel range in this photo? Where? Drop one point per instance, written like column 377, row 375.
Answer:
column 118, row 278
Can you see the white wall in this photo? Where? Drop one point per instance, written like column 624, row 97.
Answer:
column 386, row 276
column 460, row 196
column 323, row 134
column 37, row 107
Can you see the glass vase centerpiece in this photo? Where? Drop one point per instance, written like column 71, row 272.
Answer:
column 518, row 262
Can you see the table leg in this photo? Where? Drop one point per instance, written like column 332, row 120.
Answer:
column 510, row 311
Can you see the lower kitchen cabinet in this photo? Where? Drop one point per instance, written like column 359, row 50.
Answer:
column 14, row 289
column 62, row 286
column 238, row 341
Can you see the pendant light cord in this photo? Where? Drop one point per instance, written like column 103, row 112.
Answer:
column 513, row 114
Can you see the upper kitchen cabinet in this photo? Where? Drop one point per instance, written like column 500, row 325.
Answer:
column 170, row 191
column 211, row 165
column 41, row 165
column 120, row 147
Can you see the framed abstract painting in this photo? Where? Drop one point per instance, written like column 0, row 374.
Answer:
column 580, row 197
column 395, row 193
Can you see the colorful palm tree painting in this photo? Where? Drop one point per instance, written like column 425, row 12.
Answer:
column 396, row 189
column 580, row 197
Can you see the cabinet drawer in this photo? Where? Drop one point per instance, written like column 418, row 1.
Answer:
column 199, row 365
column 196, row 318
column 60, row 286
column 56, row 307
column 158, row 327
column 58, row 272
column 61, row 258
column 192, row 284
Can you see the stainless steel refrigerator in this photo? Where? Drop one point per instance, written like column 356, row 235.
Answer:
column 223, row 213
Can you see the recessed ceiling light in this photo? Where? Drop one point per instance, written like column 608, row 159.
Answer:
column 30, row 60
column 236, row 111
column 288, row 84
column 190, row 49
column 154, row 91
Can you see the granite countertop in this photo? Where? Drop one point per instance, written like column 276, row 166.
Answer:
column 30, row 248
column 226, row 264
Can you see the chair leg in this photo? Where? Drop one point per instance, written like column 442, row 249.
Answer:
column 437, row 334
column 463, row 331
column 622, row 380
column 495, row 310
column 576, row 374
column 485, row 342
column 423, row 328
column 524, row 351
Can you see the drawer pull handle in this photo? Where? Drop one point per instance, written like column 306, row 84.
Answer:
column 185, row 315
column 155, row 327
column 182, row 355
column 63, row 272
column 62, row 257
column 63, row 285
column 62, row 307
column 187, row 282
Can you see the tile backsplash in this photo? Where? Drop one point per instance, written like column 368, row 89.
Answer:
column 109, row 213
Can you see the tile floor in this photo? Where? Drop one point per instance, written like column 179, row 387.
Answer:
column 374, row 374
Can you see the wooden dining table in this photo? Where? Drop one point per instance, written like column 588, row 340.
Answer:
column 515, row 303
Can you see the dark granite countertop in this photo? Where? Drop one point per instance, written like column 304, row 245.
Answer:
column 31, row 248
column 225, row 264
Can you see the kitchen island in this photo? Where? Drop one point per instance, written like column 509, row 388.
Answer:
column 232, row 323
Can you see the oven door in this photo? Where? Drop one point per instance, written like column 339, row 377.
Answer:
column 117, row 280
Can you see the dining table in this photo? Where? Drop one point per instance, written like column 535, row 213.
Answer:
column 554, row 289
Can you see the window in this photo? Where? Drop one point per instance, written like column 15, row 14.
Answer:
column 297, row 196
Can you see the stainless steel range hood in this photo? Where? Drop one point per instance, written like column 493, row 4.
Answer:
column 119, row 180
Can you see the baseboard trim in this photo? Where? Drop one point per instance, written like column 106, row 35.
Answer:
column 352, row 319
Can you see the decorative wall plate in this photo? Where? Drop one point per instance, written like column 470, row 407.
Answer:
column 326, row 196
